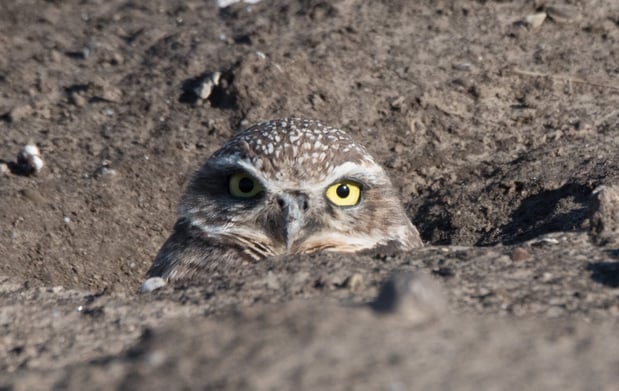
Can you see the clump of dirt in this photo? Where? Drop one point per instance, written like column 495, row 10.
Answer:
column 497, row 121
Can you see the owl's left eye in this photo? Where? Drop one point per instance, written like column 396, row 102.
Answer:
column 344, row 193
column 243, row 186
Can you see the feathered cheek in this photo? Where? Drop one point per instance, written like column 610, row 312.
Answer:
column 344, row 220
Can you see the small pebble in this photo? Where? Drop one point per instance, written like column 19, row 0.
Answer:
column 152, row 284
column 227, row 3
column 4, row 169
column 19, row 112
column 519, row 254
column 604, row 214
column 397, row 104
column 272, row 281
column 112, row 94
column 85, row 52
column 535, row 20
column 77, row 99
column 29, row 159
column 355, row 282
column 116, row 59
column 104, row 172
column 205, row 88
column 462, row 66
column 413, row 295
column 544, row 242
column 34, row 196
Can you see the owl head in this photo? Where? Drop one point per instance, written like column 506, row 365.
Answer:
column 295, row 186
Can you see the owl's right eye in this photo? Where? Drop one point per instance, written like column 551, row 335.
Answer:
column 242, row 185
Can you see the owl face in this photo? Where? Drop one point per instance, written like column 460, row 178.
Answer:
column 296, row 186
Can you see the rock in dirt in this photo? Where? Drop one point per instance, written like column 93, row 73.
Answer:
column 4, row 169
column 535, row 20
column 355, row 282
column 105, row 171
column 77, row 99
column 605, row 215
column 17, row 113
column 520, row 254
column 29, row 160
column 102, row 89
column 152, row 284
column 227, row 3
column 413, row 295
column 34, row 196
column 204, row 89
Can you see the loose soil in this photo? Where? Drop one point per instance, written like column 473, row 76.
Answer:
column 500, row 135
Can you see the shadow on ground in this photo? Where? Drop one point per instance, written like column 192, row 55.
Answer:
column 563, row 209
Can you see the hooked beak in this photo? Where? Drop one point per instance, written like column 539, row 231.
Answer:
column 293, row 206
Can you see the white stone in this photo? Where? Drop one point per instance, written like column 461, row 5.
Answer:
column 152, row 284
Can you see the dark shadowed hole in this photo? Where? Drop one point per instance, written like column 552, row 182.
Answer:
column 606, row 273
column 563, row 209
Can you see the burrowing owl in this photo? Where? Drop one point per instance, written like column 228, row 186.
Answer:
column 289, row 186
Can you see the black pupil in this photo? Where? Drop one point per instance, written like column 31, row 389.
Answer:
column 343, row 191
column 246, row 185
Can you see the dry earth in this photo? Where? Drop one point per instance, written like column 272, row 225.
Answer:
column 497, row 129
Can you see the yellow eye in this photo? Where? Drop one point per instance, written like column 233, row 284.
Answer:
column 345, row 193
column 243, row 186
